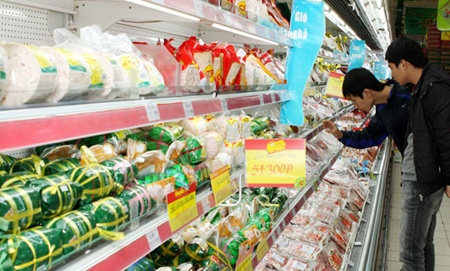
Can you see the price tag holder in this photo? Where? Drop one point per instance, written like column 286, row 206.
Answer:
column 334, row 85
column 152, row 110
column 206, row 205
column 221, row 185
column 261, row 99
column 224, row 105
column 188, row 110
column 154, row 239
column 273, row 97
column 182, row 207
column 275, row 163
column 263, row 248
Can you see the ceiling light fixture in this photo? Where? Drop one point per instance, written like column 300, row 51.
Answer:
column 235, row 31
column 164, row 9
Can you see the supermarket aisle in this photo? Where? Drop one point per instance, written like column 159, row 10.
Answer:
column 442, row 234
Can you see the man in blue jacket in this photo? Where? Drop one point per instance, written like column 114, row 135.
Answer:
column 426, row 159
column 391, row 101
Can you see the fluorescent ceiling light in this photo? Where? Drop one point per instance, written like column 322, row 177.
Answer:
column 235, row 31
column 164, row 9
column 337, row 18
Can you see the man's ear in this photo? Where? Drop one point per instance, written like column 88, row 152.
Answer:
column 368, row 92
column 403, row 64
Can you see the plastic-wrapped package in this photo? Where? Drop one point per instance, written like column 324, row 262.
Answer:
column 58, row 194
column 333, row 257
column 160, row 136
column 59, row 152
column 34, row 248
column 194, row 152
column 196, row 125
column 122, row 171
column 150, row 162
column 74, row 74
column 96, row 181
column 257, row 73
column 60, row 166
column 17, row 179
column 144, row 264
column 78, row 229
column 32, row 164
column 6, row 161
column 111, row 214
column 171, row 248
column 213, row 144
column 298, row 248
column 97, row 153
column 140, row 195
column 20, row 208
column 32, row 75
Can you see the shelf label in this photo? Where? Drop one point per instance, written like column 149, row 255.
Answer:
column 224, row 105
column 182, row 207
column 334, row 85
column 206, row 205
column 275, row 163
column 261, row 99
column 273, row 97
column 154, row 239
column 188, row 110
column 221, row 185
column 152, row 110
column 263, row 248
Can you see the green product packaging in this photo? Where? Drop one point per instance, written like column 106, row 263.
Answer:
column 96, row 181
column 60, row 166
column 34, row 248
column 6, row 161
column 78, row 229
column 194, row 152
column 172, row 247
column 58, row 194
column 139, row 195
column 197, row 249
column 17, row 179
column 144, row 264
column 122, row 171
column 32, row 164
column 20, row 208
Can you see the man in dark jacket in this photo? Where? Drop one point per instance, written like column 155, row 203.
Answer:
column 426, row 160
column 391, row 101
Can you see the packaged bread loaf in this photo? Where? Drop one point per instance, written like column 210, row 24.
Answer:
column 32, row 75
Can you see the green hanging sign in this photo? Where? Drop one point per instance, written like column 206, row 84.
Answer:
column 443, row 15
column 417, row 20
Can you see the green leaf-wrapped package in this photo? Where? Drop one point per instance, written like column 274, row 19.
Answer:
column 6, row 161
column 96, row 181
column 17, row 179
column 122, row 171
column 58, row 194
column 20, row 208
column 34, row 248
column 144, row 264
column 145, row 203
column 110, row 213
column 5, row 261
column 61, row 166
column 171, row 248
column 78, row 228
column 32, row 164
column 194, row 152
column 160, row 136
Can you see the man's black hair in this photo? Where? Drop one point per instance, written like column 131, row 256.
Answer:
column 359, row 79
column 407, row 49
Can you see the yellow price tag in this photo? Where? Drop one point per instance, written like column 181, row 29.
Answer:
column 275, row 163
column 263, row 248
column 245, row 264
column 182, row 207
column 334, row 85
column 221, row 185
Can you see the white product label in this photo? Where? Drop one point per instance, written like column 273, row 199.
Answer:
column 152, row 111
column 307, row 249
column 277, row 258
column 188, row 110
column 154, row 239
column 299, row 265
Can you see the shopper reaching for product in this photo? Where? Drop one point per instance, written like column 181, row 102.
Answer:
column 391, row 101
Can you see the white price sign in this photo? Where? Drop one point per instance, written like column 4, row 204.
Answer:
column 272, row 96
column 261, row 99
column 188, row 110
column 152, row 111
column 206, row 205
column 224, row 105
column 153, row 239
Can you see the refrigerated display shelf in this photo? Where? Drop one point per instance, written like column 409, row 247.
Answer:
column 35, row 126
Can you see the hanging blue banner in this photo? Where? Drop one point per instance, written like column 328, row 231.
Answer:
column 306, row 31
column 381, row 70
column 357, row 54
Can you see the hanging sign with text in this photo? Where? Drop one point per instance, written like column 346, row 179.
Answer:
column 275, row 163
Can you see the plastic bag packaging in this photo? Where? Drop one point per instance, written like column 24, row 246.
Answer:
column 59, row 152
column 78, row 229
column 74, row 74
column 96, row 180
column 194, row 152
column 32, row 75
column 20, row 208
column 60, row 166
column 195, row 126
column 17, row 179
column 6, row 161
column 138, row 195
column 35, row 248
column 111, row 214
column 58, row 194
column 32, row 164
column 150, row 162
column 122, row 171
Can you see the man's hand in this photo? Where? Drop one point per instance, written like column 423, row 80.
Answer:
column 447, row 191
column 331, row 128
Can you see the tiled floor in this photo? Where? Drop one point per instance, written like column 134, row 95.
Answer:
column 441, row 236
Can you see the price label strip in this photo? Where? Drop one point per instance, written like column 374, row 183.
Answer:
column 221, row 185
column 154, row 239
column 182, row 207
column 275, row 163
